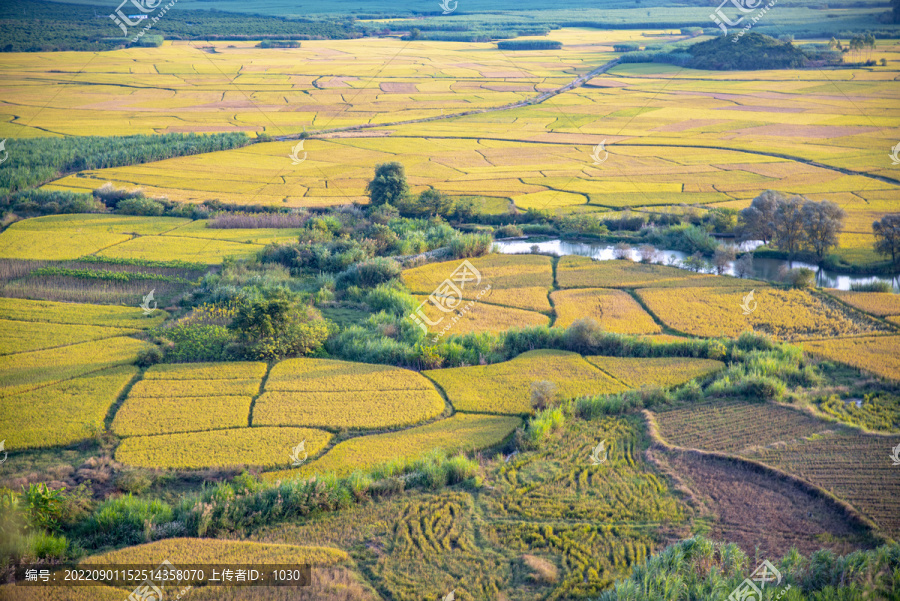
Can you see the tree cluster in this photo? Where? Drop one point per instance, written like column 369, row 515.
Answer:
column 792, row 223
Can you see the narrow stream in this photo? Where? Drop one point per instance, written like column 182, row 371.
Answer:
column 764, row 269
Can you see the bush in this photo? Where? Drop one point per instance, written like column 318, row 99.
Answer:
column 509, row 231
column 471, row 245
column 194, row 342
column 871, row 287
column 140, row 206
column 801, row 277
column 369, row 274
column 124, row 521
column 583, row 336
column 542, row 394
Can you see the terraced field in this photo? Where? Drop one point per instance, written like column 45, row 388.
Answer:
column 875, row 354
column 264, row 447
column 664, row 372
column 506, row 387
column 519, row 281
column 852, row 466
column 462, row 432
column 583, row 272
column 784, row 314
column 615, row 310
column 339, row 394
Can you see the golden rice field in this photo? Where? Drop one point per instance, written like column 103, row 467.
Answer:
column 194, row 551
column 60, row 593
column 23, row 336
column 145, row 416
column 664, row 372
column 615, row 310
column 232, row 370
column 177, row 248
column 66, row 237
column 583, row 272
column 881, row 304
column 108, row 316
column 27, row 371
column 476, row 316
column 263, row 447
column 339, row 394
column 506, row 387
column 329, row 375
column 362, row 409
column 462, row 432
column 879, row 355
column 519, row 281
column 193, row 388
column 785, row 314
column 64, row 412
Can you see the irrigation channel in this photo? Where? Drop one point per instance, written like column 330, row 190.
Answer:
column 763, row 268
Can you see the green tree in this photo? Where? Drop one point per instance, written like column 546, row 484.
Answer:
column 822, row 223
column 435, row 203
column 887, row 236
column 278, row 325
column 757, row 222
column 389, row 185
column 789, row 231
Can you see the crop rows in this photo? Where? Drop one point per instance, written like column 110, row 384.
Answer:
column 462, row 432
column 615, row 310
column 264, row 447
column 664, row 372
column 506, row 387
column 519, row 281
column 64, row 412
column 879, row 354
column 785, row 314
column 855, row 467
column 735, row 426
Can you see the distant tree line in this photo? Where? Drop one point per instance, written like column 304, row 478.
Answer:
column 792, row 223
column 750, row 52
column 33, row 26
column 34, row 161
column 529, row 45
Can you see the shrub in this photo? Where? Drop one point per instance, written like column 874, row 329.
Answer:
column 583, row 336
column 124, row 521
column 195, row 342
column 542, row 394
column 471, row 245
column 369, row 274
column 871, row 287
column 801, row 277
column 140, row 206
column 509, row 231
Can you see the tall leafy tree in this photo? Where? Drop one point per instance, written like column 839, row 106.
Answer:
column 887, row 236
column 757, row 222
column 789, row 231
column 822, row 223
column 389, row 185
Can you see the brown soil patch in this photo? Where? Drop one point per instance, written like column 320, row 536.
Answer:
column 756, row 509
